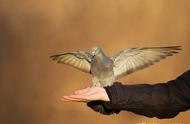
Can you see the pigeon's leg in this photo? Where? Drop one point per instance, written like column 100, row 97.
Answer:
column 107, row 81
column 95, row 81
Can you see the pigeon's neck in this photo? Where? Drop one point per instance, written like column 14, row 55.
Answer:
column 100, row 57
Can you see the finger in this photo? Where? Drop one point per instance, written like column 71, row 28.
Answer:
column 70, row 98
column 67, row 98
column 82, row 97
column 64, row 100
column 82, row 91
column 89, row 96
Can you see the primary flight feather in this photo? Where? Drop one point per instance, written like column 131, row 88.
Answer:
column 105, row 70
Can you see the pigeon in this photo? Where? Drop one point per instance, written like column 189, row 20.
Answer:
column 106, row 70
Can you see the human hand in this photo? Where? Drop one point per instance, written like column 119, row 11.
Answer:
column 87, row 95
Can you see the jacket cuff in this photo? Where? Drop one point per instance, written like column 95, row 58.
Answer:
column 115, row 94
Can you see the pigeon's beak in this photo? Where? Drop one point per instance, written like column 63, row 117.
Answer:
column 93, row 53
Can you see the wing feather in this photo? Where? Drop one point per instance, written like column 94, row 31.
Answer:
column 133, row 59
column 79, row 60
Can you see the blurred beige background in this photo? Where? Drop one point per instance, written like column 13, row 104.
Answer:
column 32, row 30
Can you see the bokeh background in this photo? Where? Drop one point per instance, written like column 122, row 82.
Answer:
column 31, row 30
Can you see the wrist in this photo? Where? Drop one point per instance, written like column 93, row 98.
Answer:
column 105, row 95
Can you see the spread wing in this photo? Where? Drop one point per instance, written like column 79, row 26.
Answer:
column 133, row 59
column 79, row 60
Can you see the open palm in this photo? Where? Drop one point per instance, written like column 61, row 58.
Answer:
column 87, row 95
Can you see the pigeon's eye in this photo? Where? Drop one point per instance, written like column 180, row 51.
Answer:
column 94, row 49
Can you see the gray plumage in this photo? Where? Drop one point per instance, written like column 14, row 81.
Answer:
column 105, row 70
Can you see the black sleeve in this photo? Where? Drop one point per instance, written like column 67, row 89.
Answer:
column 163, row 100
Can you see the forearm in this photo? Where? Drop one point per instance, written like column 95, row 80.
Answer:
column 164, row 100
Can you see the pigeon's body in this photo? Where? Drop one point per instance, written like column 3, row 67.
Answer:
column 105, row 70
column 102, row 70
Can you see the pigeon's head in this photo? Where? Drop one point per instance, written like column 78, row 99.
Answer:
column 96, row 50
